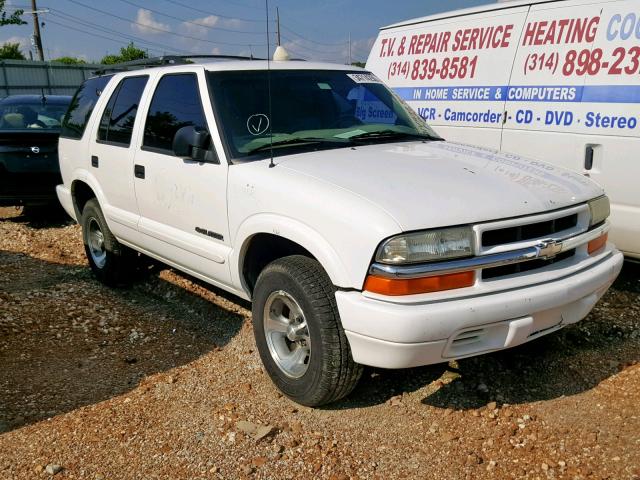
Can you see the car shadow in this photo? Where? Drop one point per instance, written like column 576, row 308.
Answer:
column 566, row 362
column 37, row 217
column 66, row 341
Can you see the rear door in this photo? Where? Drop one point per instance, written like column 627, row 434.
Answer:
column 112, row 155
column 182, row 202
column 453, row 71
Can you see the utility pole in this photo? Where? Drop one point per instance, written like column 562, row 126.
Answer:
column 36, row 31
column 350, row 48
column 277, row 24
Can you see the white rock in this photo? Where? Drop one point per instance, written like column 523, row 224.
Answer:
column 52, row 469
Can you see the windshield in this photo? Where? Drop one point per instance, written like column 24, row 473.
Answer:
column 310, row 110
column 32, row 115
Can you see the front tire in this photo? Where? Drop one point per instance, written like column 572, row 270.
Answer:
column 299, row 334
column 110, row 261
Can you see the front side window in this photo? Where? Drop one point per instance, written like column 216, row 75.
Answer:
column 76, row 119
column 116, row 124
column 309, row 110
column 176, row 103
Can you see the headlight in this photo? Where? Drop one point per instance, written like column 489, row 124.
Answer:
column 427, row 246
column 599, row 209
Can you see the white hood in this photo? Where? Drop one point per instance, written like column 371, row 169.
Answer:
column 435, row 184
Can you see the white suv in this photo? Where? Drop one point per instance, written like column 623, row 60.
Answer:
column 311, row 189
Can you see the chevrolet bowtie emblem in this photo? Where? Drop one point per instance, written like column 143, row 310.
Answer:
column 549, row 248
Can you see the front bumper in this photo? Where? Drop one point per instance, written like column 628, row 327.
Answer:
column 393, row 335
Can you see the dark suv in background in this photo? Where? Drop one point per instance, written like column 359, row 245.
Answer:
column 29, row 131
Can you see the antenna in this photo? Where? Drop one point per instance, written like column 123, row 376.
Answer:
column 271, row 164
column 278, row 24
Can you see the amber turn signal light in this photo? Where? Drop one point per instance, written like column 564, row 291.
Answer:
column 596, row 244
column 411, row 286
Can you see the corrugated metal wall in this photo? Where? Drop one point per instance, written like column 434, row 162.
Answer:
column 24, row 77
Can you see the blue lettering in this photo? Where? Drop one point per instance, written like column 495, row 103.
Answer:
column 611, row 35
column 553, row 117
column 474, row 117
column 427, row 113
column 623, row 28
column 598, row 120
column 524, row 116
column 627, row 27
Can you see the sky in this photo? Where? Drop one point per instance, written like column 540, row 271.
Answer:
column 310, row 29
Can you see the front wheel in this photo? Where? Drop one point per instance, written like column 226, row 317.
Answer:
column 111, row 262
column 299, row 334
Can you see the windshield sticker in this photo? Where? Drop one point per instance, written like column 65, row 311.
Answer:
column 324, row 86
column 363, row 77
column 257, row 124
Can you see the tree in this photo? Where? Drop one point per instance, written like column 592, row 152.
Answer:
column 110, row 59
column 127, row 54
column 13, row 19
column 358, row 64
column 11, row 51
column 69, row 60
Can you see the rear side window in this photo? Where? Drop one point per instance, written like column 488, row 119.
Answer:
column 175, row 104
column 76, row 118
column 116, row 124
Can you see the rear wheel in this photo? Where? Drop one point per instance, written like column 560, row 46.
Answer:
column 111, row 262
column 299, row 334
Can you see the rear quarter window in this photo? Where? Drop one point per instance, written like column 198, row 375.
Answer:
column 81, row 107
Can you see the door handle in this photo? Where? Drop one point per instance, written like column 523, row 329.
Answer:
column 138, row 171
column 588, row 157
column 94, row 161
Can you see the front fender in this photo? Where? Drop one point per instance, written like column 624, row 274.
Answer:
column 294, row 231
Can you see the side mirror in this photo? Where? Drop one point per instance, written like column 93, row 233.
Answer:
column 190, row 142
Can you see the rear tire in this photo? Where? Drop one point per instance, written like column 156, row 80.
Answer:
column 111, row 262
column 299, row 334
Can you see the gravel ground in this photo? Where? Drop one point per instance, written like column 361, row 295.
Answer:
column 162, row 380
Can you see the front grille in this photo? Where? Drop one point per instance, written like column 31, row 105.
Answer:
column 494, row 272
column 529, row 231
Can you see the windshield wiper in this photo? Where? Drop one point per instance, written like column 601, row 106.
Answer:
column 392, row 134
column 296, row 141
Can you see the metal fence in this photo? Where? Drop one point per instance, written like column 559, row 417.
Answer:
column 32, row 77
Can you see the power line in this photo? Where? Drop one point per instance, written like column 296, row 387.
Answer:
column 313, row 52
column 298, row 54
column 184, row 20
column 313, row 41
column 297, row 43
column 206, row 12
column 324, row 48
column 169, row 32
column 93, row 34
column 68, row 17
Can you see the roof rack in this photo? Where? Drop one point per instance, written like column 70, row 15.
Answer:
column 165, row 60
